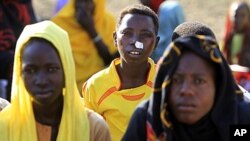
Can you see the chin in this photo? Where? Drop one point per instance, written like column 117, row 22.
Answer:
column 189, row 120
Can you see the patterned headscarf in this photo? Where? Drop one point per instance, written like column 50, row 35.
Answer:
column 17, row 122
column 225, row 106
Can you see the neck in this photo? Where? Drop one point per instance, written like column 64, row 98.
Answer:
column 133, row 75
column 49, row 114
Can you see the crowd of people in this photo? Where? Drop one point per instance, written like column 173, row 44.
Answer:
column 82, row 75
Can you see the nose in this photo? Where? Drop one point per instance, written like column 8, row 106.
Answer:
column 186, row 89
column 41, row 79
column 134, row 39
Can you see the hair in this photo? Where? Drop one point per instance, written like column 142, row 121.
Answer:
column 240, row 4
column 35, row 39
column 244, row 4
column 142, row 10
column 192, row 28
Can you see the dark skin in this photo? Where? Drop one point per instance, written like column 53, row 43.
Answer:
column 84, row 15
column 43, row 77
column 134, row 65
column 241, row 18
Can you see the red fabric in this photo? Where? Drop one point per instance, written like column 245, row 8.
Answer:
column 155, row 4
column 14, row 15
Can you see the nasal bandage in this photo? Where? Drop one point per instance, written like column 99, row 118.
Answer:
column 139, row 45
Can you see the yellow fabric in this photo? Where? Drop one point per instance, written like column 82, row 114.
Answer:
column 116, row 108
column 17, row 121
column 86, row 58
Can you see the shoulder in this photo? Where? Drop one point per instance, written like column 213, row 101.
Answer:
column 100, row 76
column 99, row 130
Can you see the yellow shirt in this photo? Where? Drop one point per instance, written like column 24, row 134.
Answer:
column 102, row 94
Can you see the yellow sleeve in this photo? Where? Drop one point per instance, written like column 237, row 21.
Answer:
column 89, row 97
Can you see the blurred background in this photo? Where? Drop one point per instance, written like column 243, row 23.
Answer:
column 210, row 12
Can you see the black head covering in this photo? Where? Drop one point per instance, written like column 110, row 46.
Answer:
column 224, row 111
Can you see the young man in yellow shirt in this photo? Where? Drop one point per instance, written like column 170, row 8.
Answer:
column 116, row 91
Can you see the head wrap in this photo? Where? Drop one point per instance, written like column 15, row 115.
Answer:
column 17, row 121
column 225, row 105
column 86, row 57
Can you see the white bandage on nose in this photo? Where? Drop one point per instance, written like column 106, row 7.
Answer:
column 139, row 45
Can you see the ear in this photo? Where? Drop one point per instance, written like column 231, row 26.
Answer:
column 157, row 41
column 115, row 38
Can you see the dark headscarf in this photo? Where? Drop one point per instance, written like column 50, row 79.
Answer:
column 224, row 111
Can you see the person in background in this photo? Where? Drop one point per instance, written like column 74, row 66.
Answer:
column 44, row 92
column 90, row 27
column 170, row 15
column 59, row 5
column 130, row 77
column 195, row 96
column 14, row 15
column 237, row 35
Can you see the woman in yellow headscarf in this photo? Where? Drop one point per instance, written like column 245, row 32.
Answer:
column 45, row 103
column 90, row 27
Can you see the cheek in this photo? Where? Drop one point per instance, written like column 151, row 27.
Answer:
column 28, row 81
column 207, row 101
column 150, row 45
column 60, row 80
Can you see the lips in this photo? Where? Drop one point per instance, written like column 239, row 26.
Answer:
column 185, row 107
column 43, row 94
column 134, row 53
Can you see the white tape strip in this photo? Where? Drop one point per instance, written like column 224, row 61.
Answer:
column 139, row 45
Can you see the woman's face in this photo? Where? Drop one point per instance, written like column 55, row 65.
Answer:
column 192, row 89
column 42, row 72
column 135, row 27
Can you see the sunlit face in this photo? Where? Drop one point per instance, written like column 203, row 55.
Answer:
column 241, row 17
column 42, row 72
column 135, row 27
column 193, row 89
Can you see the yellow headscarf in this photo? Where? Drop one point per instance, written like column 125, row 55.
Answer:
column 17, row 121
column 86, row 58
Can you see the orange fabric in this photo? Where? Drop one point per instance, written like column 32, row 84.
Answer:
column 106, row 94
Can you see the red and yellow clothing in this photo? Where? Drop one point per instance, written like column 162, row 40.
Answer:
column 102, row 94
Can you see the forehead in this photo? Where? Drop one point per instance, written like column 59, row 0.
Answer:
column 40, row 49
column 138, row 20
column 194, row 63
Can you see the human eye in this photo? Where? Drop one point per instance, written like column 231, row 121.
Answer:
column 29, row 70
column 147, row 34
column 199, row 81
column 53, row 69
column 176, row 80
column 127, row 33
